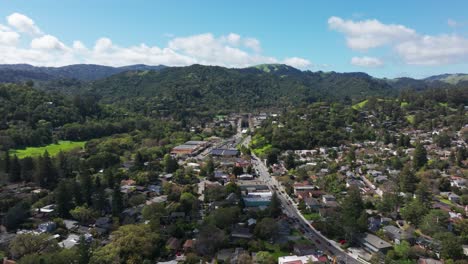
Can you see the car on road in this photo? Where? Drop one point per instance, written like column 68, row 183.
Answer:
column 317, row 241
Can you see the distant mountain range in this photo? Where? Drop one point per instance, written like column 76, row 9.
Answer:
column 82, row 72
column 217, row 87
column 91, row 72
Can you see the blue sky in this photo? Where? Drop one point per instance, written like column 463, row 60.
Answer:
column 390, row 39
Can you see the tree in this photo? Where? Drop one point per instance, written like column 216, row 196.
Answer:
column 170, row 164
column 402, row 250
column 6, row 162
column 237, row 170
column 117, row 201
column 443, row 140
column 46, row 175
column 407, row 180
column 63, row 198
column 83, row 214
column 232, row 187
column 419, row 156
column 414, row 211
column 451, row 246
column 27, row 169
column 84, row 250
column 266, row 228
column 16, row 215
column 129, row 244
column 352, row 210
column 290, row 162
column 99, row 197
column 423, row 193
column 389, row 203
column 272, row 157
column 209, row 169
column 435, row 221
column 15, row 170
column 139, row 161
column 275, row 206
column 209, row 240
column 265, row 257
column 224, row 217
column 153, row 214
column 86, row 187
column 29, row 243
column 188, row 202
column 61, row 256
column 244, row 258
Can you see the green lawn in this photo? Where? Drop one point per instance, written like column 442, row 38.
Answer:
column 53, row 149
column 410, row 119
column 360, row 105
column 275, row 250
column 312, row 216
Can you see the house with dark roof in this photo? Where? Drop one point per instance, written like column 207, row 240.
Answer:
column 398, row 235
column 374, row 244
column 241, row 233
column 222, row 152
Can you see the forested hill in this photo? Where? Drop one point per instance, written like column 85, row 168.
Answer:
column 206, row 89
column 83, row 72
column 224, row 88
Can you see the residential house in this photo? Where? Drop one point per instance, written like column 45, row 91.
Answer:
column 103, row 225
column 303, row 249
column 374, row 244
column 454, row 198
column 429, row 261
column 241, row 233
column 398, row 235
column 329, row 200
column 173, row 244
column 188, row 245
column 297, row 259
column 312, row 203
column 47, row 227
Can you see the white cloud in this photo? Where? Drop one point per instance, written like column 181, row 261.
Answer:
column 233, row 39
column 78, row 45
column 103, row 44
column 253, row 43
column 231, row 50
column 412, row 47
column 297, row 62
column 207, row 49
column 434, row 50
column 452, row 23
column 366, row 34
column 7, row 36
column 47, row 42
column 366, row 62
column 23, row 24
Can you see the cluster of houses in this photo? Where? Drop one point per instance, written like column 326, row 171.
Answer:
column 373, row 178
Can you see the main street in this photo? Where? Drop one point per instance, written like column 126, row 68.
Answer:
column 290, row 209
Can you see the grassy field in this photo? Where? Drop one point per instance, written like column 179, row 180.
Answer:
column 410, row 119
column 312, row 216
column 53, row 149
column 275, row 250
column 360, row 105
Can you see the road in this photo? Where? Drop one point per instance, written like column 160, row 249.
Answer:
column 290, row 209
